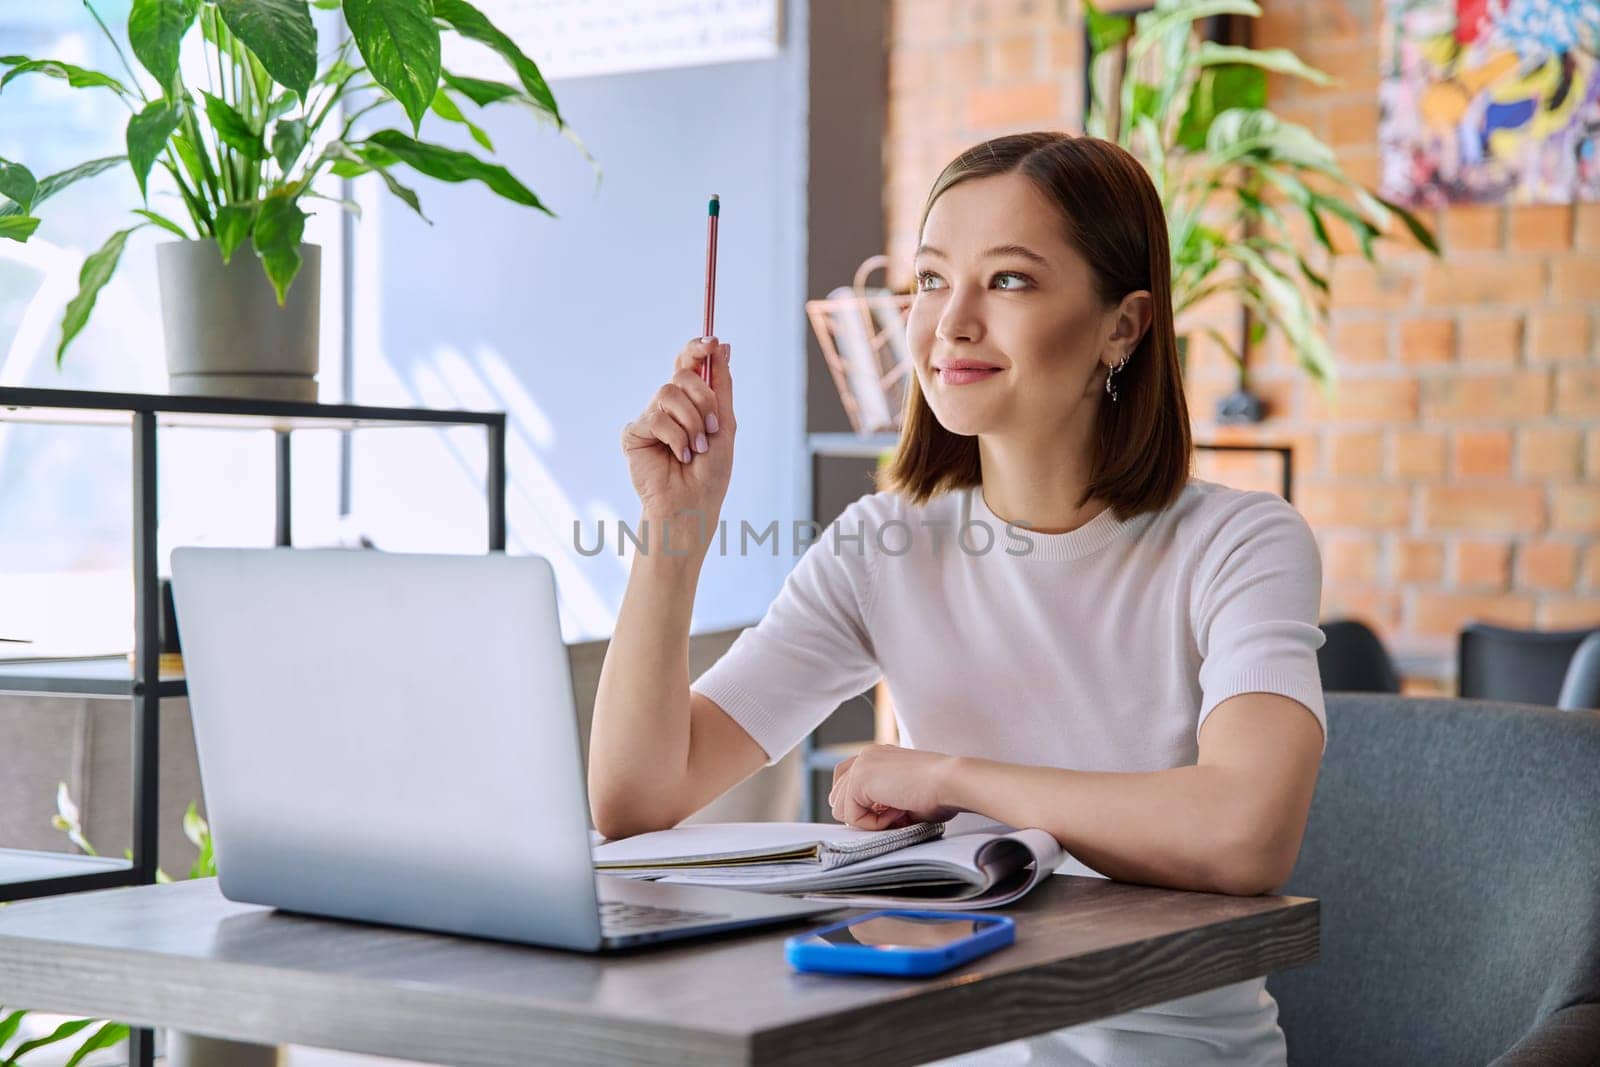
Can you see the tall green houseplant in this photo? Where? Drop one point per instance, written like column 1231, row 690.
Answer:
column 1234, row 177
column 260, row 132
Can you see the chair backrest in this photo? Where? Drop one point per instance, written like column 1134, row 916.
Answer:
column 588, row 657
column 1519, row 666
column 1453, row 846
column 1580, row 690
column 1353, row 660
column 772, row 793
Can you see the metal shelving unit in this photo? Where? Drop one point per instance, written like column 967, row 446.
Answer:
column 822, row 759
column 25, row 874
column 144, row 414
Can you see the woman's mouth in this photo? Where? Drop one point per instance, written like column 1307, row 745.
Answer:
column 965, row 375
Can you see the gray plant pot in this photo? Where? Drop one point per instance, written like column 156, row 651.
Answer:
column 226, row 334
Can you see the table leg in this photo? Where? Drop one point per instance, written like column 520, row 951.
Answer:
column 192, row 1050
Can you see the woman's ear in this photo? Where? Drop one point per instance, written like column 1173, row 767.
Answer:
column 1131, row 319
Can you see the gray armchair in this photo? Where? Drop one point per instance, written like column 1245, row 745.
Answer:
column 1455, row 846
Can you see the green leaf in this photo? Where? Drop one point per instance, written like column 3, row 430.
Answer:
column 147, row 135
column 1106, row 31
column 9, row 1024
column 194, row 827
column 1280, row 60
column 351, row 165
column 469, row 22
column 447, row 109
column 481, row 91
column 1146, row 101
column 1363, row 229
column 1154, row 151
column 155, row 30
column 77, row 77
column 344, row 205
column 1219, row 89
column 282, row 36
column 196, row 830
column 337, row 71
column 233, row 226
column 61, row 1033
column 97, row 270
column 400, row 42
column 1244, row 132
column 1419, row 231
column 52, row 184
column 18, row 183
column 280, row 225
column 1152, row 26
column 189, row 156
column 288, row 140
column 448, row 165
column 281, row 104
column 105, row 1037
column 1311, row 275
column 232, row 128
column 162, row 221
column 1226, row 345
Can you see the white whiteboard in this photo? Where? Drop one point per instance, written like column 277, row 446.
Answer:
column 576, row 38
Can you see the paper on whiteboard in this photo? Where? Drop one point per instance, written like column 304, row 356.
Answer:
column 579, row 38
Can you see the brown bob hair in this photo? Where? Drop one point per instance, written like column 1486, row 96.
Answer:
column 1113, row 216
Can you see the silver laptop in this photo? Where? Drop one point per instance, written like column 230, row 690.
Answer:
column 393, row 739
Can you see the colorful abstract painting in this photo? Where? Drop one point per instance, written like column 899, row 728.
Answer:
column 1491, row 100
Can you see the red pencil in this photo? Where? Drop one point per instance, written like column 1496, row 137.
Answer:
column 713, row 210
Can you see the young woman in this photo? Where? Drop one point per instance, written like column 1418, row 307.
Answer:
column 1076, row 634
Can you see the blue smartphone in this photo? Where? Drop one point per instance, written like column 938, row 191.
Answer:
column 899, row 942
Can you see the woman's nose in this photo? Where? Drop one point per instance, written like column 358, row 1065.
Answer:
column 960, row 321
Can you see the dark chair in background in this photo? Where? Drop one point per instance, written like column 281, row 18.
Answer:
column 1580, row 689
column 1452, row 844
column 1520, row 666
column 1353, row 660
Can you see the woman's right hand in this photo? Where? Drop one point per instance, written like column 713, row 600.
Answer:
column 680, row 449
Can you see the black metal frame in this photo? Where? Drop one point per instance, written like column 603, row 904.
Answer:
column 146, row 412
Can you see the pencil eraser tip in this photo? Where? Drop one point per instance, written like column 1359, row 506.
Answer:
column 715, row 206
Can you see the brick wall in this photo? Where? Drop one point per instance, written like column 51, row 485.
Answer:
column 1457, row 473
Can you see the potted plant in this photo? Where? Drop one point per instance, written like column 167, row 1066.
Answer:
column 250, row 144
column 1243, row 188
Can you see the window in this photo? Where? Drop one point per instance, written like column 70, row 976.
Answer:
column 65, row 492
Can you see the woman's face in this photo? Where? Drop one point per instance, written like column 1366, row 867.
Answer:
column 999, row 287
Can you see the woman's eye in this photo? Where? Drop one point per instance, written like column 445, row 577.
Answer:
column 926, row 280
column 1014, row 277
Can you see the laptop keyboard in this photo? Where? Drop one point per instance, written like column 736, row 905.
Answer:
column 619, row 917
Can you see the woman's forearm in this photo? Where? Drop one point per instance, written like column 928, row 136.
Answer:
column 1184, row 828
column 639, row 739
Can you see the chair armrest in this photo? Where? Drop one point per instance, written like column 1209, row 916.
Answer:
column 1566, row 1038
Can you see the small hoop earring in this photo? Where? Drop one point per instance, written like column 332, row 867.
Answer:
column 1111, row 389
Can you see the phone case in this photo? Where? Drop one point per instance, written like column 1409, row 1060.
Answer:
column 804, row 954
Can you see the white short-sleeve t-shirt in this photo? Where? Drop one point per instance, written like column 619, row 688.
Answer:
column 1101, row 649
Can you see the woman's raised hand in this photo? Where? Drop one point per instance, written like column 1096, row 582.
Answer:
column 680, row 449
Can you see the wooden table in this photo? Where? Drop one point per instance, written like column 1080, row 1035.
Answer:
column 181, row 956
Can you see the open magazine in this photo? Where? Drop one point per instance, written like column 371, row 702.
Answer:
column 921, row 866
